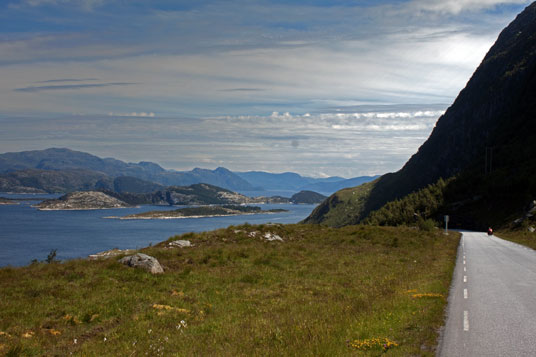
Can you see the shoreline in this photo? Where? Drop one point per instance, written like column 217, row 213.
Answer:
column 182, row 217
column 78, row 209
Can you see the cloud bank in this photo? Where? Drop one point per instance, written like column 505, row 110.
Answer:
column 348, row 144
column 69, row 87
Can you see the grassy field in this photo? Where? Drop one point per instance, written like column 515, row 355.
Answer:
column 357, row 290
column 523, row 237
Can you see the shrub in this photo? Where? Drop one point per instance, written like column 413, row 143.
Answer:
column 51, row 257
column 426, row 225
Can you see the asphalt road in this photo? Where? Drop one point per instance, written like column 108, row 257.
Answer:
column 492, row 302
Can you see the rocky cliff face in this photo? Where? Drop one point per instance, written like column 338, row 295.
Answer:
column 82, row 201
column 494, row 113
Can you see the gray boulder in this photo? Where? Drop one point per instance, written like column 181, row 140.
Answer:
column 143, row 261
column 180, row 243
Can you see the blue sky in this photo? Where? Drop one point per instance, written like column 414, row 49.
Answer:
column 317, row 87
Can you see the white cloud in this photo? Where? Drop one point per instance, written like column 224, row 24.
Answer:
column 415, row 121
column 457, row 6
column 221, row 69
column 133, row 114
column 87, row 5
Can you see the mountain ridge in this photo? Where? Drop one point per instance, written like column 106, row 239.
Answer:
column 62, row 165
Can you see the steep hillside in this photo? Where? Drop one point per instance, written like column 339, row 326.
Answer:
column 493, row 117
column 52, row 181
column 41, row 181
column 135, row 185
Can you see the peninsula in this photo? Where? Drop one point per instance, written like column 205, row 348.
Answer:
column 199, row 212
column 6, row 201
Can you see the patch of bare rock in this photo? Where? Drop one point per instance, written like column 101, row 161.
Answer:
column 267, row 236
column 110, row 253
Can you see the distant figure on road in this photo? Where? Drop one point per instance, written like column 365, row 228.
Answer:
column 490, row 231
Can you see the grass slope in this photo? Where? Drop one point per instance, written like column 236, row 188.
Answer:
column 522, row 237
column 357, row 290
column 342, row 208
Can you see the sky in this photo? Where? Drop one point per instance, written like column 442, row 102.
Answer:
column 318, row 87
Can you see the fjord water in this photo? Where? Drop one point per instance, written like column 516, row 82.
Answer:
column 27, row 233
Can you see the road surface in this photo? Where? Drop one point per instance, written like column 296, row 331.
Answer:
column 492, row 302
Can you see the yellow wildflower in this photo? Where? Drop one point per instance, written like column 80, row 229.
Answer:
column 426, row 295
column 71, row 319
column 177, row 293
column 170, row 308
column 28, row 334
column 53, row 332
column 373, row 343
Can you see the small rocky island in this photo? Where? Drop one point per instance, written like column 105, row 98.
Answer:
column 202, row 211
column 87, row 200
column 7, row 201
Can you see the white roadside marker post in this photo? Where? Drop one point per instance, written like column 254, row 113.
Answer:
column 446, row 224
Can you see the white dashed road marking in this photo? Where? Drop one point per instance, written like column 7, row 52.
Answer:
column 466, row 320
column 465, row 293
column 465, row 278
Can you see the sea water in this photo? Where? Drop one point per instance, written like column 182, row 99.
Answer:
column 27, row 233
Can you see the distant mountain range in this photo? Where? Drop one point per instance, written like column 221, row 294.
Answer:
column 64, row 170
column 295, row 182
column 483, row 147
column 63, row 160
